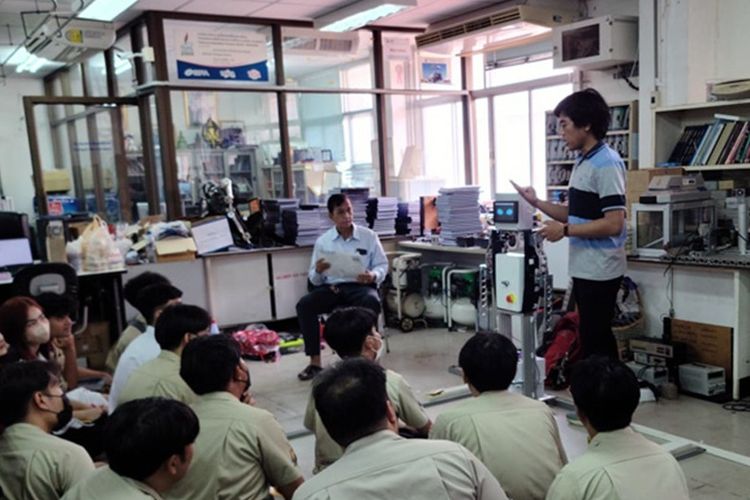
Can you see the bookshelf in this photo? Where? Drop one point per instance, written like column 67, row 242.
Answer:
column 622, row 136
column 670, row 122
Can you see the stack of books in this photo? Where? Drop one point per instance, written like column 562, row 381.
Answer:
column 304, row 224
column 407, row 218
column 358, row 197
column 458, row 213
column 381, row 215
column 725, row 141
column 272, row 210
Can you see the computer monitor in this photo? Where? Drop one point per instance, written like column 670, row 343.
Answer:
column 15, row 252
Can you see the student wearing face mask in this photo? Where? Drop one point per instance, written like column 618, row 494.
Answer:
column 34, row 463
column 352, row 333
column 241, row 451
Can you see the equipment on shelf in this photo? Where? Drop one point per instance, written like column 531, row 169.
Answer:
column 405, row 304
column 219, row 200
column 675, row 188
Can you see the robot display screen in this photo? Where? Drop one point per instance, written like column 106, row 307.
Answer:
column 505, row 212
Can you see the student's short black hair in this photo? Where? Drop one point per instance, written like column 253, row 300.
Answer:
column 336, row 200
column 18, row 383
column 133, row 287
column 56, row 305
column 586, row 107
column 350, row 398
column 346, row 330
column 142, row 434
column 177, row 320
column 154, row 297
column 605, row 391
column 489, row 361
column 208, row 363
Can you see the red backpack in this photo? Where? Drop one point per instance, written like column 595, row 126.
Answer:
column 562, row 352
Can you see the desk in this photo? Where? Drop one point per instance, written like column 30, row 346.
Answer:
column 432, row 253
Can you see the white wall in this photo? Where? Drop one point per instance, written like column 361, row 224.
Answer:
column 15, row 160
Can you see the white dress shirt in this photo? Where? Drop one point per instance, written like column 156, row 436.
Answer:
column 363, row 242
column 143, row 348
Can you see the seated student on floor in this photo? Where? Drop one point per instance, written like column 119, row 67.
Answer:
column 176, row 326
column 352, row 400
column 241, row 451
column 619, row 463
column 352, row 333
column 59, row 310
column 149, row 447
column 153, row 299
column 344, row 238
column 34, row 464
column 138, row 323
column 495, row 423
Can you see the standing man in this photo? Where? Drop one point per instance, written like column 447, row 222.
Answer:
column 332, row 291
column 594, row 221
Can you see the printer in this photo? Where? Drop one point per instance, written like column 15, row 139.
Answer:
column 675, row 189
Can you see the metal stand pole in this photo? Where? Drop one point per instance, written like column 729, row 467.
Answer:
column 528, row 350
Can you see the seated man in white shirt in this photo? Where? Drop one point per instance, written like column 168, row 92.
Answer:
column 153, row 299
column 352, row 401
column 333, row 291
column 619, row 463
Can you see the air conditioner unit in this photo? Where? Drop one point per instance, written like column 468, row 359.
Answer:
column 497, row 25
column 309, row 42
column 596, row 43
column 65, row 40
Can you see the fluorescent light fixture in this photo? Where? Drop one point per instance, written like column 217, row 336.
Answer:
column 360, row 13
column 24, row 61
column 105, row 10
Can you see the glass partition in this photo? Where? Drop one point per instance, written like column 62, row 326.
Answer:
column 96, row 75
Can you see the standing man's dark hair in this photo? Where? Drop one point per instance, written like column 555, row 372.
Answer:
column 605, row 392
column 155, row 297
column 351, row 399
column 586, row 108
column 208, row 363
column 141, row 435
column 178, row 320
column 336, row 200
column 347, row 329
column 489, row 361
column 133, row 287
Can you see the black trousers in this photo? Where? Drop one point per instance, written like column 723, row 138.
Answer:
column 596, row 308
column 324, row 299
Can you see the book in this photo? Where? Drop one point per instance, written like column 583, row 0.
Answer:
column 713, row 158
column 716, row 130
column 692, row 145
column 736, row 127
column 739, row 141
column 701, row 145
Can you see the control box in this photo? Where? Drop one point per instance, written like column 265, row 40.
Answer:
column 706, row 380
column 511, row 212
column 655, row 375
column 509, row 281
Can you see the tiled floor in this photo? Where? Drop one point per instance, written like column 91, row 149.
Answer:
column 423, row 357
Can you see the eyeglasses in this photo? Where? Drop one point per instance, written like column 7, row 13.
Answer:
column 35, row 321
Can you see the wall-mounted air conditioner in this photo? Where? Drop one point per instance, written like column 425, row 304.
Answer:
column 309, row 42
column 64, row 40
column 596, row 43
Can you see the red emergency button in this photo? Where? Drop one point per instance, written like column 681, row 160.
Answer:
column 510, row 298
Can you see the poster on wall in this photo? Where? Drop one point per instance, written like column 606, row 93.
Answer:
column 200, row 51
column 435, row 70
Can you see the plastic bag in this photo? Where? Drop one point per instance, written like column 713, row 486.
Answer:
column 260, row 343
column 98, row 250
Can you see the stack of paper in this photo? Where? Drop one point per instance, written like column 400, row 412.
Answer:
column 272, row 210
column 381, row 215
column 458, row 212
column 304, row 224
column 358, row 197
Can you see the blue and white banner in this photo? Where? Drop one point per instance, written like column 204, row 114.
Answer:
column 216, row 52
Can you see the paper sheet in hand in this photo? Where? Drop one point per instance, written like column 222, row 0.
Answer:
column 343, row 265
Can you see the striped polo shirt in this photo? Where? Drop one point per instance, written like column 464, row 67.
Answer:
column 597, row 185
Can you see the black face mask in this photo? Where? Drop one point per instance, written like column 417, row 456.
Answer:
column 65, row 415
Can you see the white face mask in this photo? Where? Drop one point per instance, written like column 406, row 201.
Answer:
column 38, row 334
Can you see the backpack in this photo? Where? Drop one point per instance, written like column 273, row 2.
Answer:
column 562, row 352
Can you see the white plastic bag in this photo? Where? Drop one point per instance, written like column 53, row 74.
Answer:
column 98, row 250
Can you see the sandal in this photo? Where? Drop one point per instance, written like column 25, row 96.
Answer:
column 310, row 372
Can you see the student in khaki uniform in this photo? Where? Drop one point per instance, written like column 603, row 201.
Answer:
column 137, row 325
column 35, row 464
column 176, row 326
column 619, row 463
column 241, row 451
column 149, row 446
column 352, row 400
column 352, row 332
column 495, row 424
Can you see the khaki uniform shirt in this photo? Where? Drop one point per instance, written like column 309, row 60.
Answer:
column 104, row 483
column 407, row 407
column 239, row 453
column 35, row 465
column 621, row 465
column 495, row 426
column 158, row 377
column 126, row 337
column 385, row 465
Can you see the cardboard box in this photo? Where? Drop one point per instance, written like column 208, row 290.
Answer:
column 55, row 180
column 175, row 249
column 709, row 344
column 93, row 340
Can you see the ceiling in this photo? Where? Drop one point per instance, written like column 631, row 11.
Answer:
column 426, row 12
